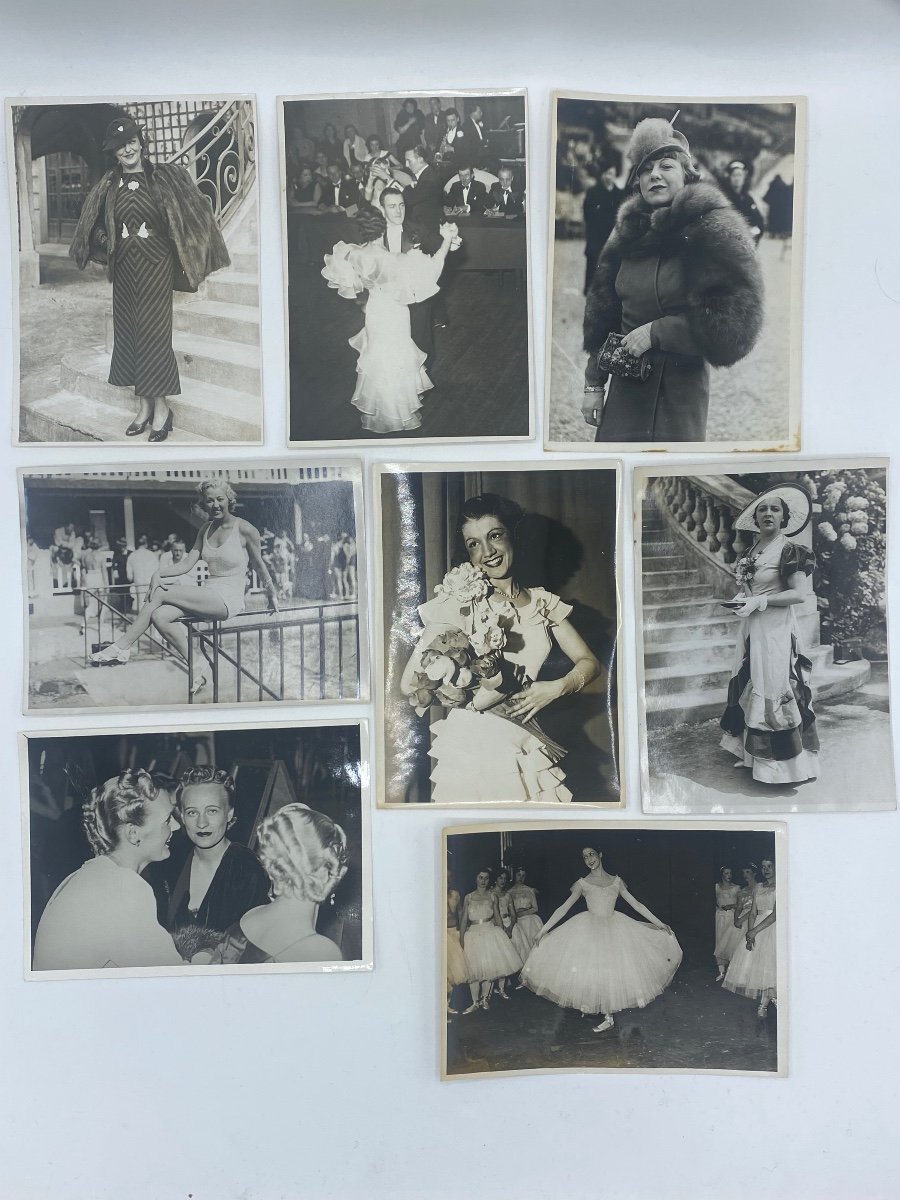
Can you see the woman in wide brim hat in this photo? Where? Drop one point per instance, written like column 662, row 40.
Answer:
column 679, row 279
column 156, row 234
column 769, row 724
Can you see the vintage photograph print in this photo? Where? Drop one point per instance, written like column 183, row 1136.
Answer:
column 499, row 626
column 165, row 852
column 614, row 947
column 155, row 588
column 761, row 606
column 137, row 274
column 676, row 273
column 407, row 267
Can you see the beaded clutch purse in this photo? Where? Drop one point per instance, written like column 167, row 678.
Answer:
column 615, row 359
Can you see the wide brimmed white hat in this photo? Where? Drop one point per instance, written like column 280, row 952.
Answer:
column 799, row 506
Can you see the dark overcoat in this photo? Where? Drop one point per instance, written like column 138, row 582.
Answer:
column 691, row 270
column 190, row 225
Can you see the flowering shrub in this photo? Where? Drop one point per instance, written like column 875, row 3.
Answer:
column 850, row 545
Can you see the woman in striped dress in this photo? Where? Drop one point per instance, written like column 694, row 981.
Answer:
column 156, row 234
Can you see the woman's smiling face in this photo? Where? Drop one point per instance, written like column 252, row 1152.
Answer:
column 215, row 501
column 489, row 545
column 661, row 180
column 129, row 155
column 591, row 858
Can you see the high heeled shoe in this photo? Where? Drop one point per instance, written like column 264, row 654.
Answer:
column 199, row 684
column 137, row 427
column 111, row 654
column 160, row 435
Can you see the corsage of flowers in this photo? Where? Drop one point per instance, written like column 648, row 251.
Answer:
column 745, row 568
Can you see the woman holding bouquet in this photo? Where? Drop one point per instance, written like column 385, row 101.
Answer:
column 485, row 640
column 769, row 725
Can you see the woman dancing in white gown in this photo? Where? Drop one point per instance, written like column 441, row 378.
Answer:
column 601, row 960
column 488, row 950
column 753, row 969
column 390, row 373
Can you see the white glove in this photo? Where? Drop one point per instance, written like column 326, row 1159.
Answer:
column 752, row 604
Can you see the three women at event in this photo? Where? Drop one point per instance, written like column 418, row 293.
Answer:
column 602, row 961
column 728, row 934
column 489, row 953
column 155, row 233
column 228, row 545
column 769, row 724
column 753, row 968
column 492, row 749
column 679, row 278
column 390, row 373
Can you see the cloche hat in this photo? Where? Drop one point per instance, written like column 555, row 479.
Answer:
column 120, row 131
column 795, row 497
column 651, row 137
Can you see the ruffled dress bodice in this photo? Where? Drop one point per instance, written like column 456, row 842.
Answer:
column 406, row 278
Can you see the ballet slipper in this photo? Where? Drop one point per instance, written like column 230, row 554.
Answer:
column 606, row 1023
column 470, row 1009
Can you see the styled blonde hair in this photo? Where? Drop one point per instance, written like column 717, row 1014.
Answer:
column 207, row 485
column 303, row 851
column 118, row 802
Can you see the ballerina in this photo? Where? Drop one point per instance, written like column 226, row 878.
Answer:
column 601, row 960
column 457, row 971
column 753, row 969
column 528, row 924
column 727, row 933
column 488, row 950
column 507, row 918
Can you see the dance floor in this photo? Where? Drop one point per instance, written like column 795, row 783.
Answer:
column 695, row 1024
column 480, row 373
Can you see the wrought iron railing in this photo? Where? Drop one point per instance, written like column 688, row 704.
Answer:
column 221, row 156
column 298, row 653
column 111, row 619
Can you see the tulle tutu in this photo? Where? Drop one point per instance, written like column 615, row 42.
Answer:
column 753, row 972
column 602, row 964
column 525, row 932
column 457, row 970
column 479, row 757
column 489, row 953
column 728, row 936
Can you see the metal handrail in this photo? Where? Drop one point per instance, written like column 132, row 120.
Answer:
column 120, row 589
column 227, row 175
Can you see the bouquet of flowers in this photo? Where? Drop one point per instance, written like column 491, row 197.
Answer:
column 457, row 665
column 745, row 569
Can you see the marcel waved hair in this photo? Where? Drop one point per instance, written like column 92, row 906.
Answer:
column 303, row 851
column 489, row 504
column 203, row 775
column 118, row 802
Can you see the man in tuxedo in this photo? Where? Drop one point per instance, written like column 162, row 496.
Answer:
column 467, row 195
column 476, row 137
column 423, row 199
column 339, row 194
column 435, row 125
column 454, row 145
column 400, row 238
column 503, row 198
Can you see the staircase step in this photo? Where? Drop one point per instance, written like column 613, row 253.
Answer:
column 662, row 578
column 697, row 611
column 664, row 562
column 665, row 633
column 713, row 650
column 214, row 360
column 695, row 674
column 245, row 262
column 218, row 319
column 72, row 417
column 210, row 410
column 674, row 591
column 233, row 287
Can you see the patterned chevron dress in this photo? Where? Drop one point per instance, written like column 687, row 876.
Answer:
column 143, row 278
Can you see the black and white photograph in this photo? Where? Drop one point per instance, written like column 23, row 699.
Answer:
column 406, row 267
column 762, row 607
column 165, row 852
column 137, row 274
column 153, row 588
column 499, row 634
column 614, row 947
column 676, row 273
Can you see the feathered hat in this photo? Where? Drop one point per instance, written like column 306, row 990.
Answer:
column 654, row 136
column 796, row 499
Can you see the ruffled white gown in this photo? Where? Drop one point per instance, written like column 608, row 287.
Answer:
column 602, row 961
column 528, row 925
column 728, row 936
column 482, row 757
column 753, row 972
column 489, row 952
column 391, row 377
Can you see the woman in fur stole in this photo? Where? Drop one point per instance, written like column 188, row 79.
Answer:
column 680, row 279
column 155, row 233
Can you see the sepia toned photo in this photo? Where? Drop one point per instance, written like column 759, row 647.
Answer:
column 406, row 267
column 499, row 627
column 614, row 947
column 163, row 852
column 675, row 273
column 151, row 588
column 136, row 284
column 761, row 607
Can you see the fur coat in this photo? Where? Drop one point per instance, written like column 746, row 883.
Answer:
column 191, row 225
column 691, row 270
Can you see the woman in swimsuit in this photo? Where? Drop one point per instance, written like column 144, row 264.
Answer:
column 227, row 544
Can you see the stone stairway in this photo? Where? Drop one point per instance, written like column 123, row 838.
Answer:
column 217, row 345
column 689, row 639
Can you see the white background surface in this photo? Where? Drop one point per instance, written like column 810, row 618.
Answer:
column 262, row 1088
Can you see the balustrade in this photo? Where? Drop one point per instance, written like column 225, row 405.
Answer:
column 702, row 510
